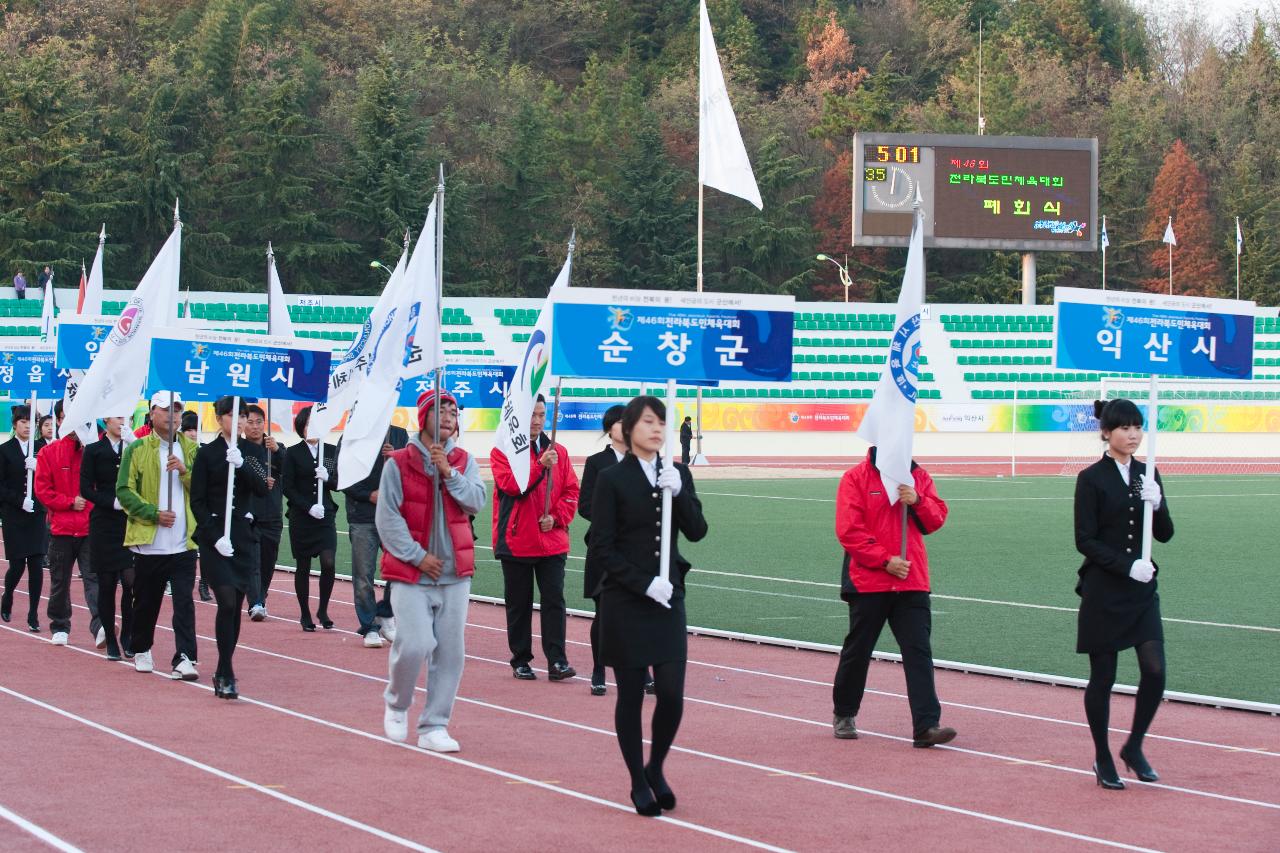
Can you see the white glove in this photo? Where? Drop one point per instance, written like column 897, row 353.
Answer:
column 28, row 505
column 316, row 511
column 1151, row 492
column 660, row 591
column 1142, row 571
column 234, row 457
column 669, row 479
column 127, row 436
column 223, row 547
column 116, row 503
column 322, row 473
column 29, row 463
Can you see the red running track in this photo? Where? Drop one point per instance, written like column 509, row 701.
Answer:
column 143, row 763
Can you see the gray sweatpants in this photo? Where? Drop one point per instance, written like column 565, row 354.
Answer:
column 430, row 625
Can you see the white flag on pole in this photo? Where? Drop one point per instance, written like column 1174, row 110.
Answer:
column 722, row 158
column 533, row 373
column 279, row 324
column 1239, row 238
column 1168, row 234
column 412, row 317
column 47, row 310
column 91, row 300
column 1103, row 237
column 89, row 304
column 889, row 422
column 118, row 376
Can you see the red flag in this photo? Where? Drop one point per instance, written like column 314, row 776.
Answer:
column 84, row 282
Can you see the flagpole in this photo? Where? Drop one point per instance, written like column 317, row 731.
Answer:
column 664, row 551
column 31, row 443
column 555, row 420
column 697, row 406
column 1170, row 245
column 231, row 469
column 1104, row 255
column 1153, row 424
column 271, row 263
column 1237, row 257
column 439, row 297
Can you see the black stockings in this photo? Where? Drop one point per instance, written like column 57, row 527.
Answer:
column 302, row 585
column 226, row 626
column 1097, row 696
column 669, row 691
column 34, row 566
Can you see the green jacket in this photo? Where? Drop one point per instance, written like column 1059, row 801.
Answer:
column 138, row 488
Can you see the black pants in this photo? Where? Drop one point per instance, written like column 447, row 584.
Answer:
column 684, row 452
column 63, row 552
column 34, row 565
column 268, row 553
column 910, row 620
column 107, row 582
column 151, row 573
column 517, row 581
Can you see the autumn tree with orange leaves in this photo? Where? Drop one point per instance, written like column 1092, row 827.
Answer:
column 1181, row 191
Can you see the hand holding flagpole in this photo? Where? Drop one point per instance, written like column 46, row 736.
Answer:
column 223, row 545
column 668, row 453
column 28, row 503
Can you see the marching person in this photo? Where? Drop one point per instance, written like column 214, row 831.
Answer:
column 268, row 517
column 594, row 574
column 154, row 488
column 531, row 539
column 1119, row 605
column 57, row 485
column 642, row 615
column 26, row 532
column 228, row 561
column 881, row 584
column 425, row 497
column 376, row 617
column 686, row 439
column 313, row 530
column 111, row 561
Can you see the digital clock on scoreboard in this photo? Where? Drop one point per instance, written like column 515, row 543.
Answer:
column 1009, row 193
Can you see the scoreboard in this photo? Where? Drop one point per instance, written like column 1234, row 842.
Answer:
column 1008, row 193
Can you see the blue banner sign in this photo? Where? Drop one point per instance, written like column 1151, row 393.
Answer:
column 28, row 370
column 648, row 335
column 1126, row 332
column 204, row 365
column 474, row 386
column 80, row 339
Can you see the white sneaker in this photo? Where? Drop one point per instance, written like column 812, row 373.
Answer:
column 142, row 662
column 387, row 628
column 257, row 613
column 396, row 724
column 60, row 638
column 438, row 740
column 185, row 670
column 372, row 640
column 101, row 639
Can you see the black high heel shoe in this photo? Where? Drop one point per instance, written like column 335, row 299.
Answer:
column 646, row 808
column 307, row 624
column 1136, row 763
column 225, row 688
column 325, row 621
column 661, row 790
column 1110, row 781
column 33, row 625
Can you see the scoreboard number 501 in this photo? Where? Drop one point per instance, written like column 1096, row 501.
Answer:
column 897, row 154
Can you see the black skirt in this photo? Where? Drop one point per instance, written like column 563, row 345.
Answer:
column 636, row 631
column 1116, row 613
column 309, row 537
column 26, row 534
column 233, row 571
column 106, row 553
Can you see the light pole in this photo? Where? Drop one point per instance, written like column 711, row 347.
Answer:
column 378, row 265
column 844, row 274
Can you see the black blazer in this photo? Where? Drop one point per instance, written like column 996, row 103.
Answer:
column 268, row 509
column 300, row 483
column 209, row 492
column 626, row 514
column 596, row 463
column 98, row 470
column 1108, row 517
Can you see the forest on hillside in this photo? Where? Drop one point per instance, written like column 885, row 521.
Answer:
column 320, row 124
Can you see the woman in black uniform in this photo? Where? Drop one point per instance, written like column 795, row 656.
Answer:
column 1119, row 606
column 26, row 532
column 596, row 463
column 111, row 561
column 642, row 616
column 312, row 527
column 227, row 562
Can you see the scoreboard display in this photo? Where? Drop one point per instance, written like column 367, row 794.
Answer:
column 1008, row 193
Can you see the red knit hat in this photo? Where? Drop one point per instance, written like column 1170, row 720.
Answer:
column 427, row 401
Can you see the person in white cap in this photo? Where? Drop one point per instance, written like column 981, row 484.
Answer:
column 153, row 487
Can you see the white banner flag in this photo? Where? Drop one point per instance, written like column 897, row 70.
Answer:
column 889, row 423
column 722, row 158
column 89, row 304
column 279, row 324
column 91, row 300
column 1168, row 234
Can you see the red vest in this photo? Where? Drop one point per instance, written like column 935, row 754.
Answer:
column 418, row 507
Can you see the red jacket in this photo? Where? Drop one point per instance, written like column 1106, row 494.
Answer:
column 516, row 533
column 870, row 530
column 417, row 508
column 57, row 484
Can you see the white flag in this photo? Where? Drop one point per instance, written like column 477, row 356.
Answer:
column 412, row 317
column 532, row 375
column 1168, row 234
column 279, row 324
column 1239, row 238
column 889, row 423
column 1105, row 242
column 118, row 376
column 722, row 158
column 47, row 310
column 91, row 303
column 347, row 378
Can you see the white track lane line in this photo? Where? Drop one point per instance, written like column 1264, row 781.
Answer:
column 514, row 777
column 1001, row 499
column 221, row 774
column 38, row 831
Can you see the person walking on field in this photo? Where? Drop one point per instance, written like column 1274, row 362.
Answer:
column 26, row 535
column 531, row 538
column 112, row 562
column 1119, row 605
column 881, row 584
column 686, row 439
column 313, row 529
column 593, row 575
column 268, row 515
column 426, row 496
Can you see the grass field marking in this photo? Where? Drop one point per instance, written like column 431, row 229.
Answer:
column 38, row 831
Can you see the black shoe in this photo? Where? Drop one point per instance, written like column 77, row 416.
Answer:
column 933, row 737
column 845, row 728
column 524, row 672
column 1137, row 763
column 204, row 591
column 324, row 620
column 217, row 687
column 113, row 650
column 225, row 688
column 597, row 682
column 33, row 625
column 646, row 805
column 127, row 652
column 661, row 790
column 648, row 686
column 560, row 671
column 1108, row 778
column 6, row 607
column 307, row 624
